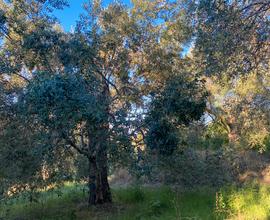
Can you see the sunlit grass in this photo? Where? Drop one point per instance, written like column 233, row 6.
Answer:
column 143, row 203
column 250, row 202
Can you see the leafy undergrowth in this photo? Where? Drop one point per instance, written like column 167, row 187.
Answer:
column 136, row 203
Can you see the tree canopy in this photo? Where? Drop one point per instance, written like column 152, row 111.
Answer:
column 127, row 79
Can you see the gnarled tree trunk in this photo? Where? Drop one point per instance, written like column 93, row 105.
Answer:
column 99, row 189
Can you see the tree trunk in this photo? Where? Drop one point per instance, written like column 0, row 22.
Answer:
column 99, row 190
column 104, row 195
column 92, row 182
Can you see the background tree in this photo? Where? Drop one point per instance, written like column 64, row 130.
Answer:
column 232, row 51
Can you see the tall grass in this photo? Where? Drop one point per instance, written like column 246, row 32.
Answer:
column 249, row 202
column 145, row 203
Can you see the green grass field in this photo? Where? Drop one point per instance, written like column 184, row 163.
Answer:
column 143, row 203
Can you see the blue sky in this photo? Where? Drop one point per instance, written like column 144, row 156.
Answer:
column 70, row 15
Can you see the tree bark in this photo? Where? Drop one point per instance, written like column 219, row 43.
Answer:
column 104, row 195
column 99, row 189
column 92, row 182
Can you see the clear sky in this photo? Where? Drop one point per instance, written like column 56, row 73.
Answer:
column 70, row 15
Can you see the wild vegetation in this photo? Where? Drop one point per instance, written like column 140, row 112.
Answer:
column 249, row 202
column 174, row 92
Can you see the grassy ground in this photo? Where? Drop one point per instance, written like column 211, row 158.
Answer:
column 135, row 203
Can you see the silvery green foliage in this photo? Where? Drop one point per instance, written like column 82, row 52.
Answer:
column 232, row 36
column 61, row 101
